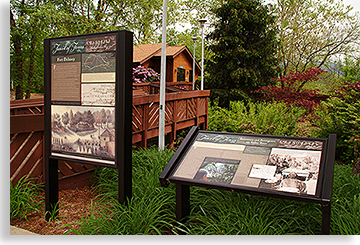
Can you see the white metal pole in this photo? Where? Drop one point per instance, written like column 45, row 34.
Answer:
column 162, row 80
column 202, row 22
column 194, row 39
column 202, row 57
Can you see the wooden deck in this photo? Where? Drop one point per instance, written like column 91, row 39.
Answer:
column 183, row 109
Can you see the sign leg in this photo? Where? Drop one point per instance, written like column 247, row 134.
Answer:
column 326, row 211
column 182, row 202
column 125, row 185
column 51, row 189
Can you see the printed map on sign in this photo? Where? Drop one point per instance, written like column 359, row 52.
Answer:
column 98, row 62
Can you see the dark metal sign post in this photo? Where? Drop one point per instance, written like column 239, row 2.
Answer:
column 88, row 107
column 294, row 168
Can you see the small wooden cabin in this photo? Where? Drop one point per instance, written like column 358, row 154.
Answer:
column 179, row 61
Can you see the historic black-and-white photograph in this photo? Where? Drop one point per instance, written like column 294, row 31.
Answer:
column 85, row 131
column 296, row 171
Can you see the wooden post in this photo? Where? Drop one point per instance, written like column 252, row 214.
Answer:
column 145, row 126
column 174, row 128
column 197, row 101
column 206, row 113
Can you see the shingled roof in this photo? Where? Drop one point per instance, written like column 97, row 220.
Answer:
column 144, row 52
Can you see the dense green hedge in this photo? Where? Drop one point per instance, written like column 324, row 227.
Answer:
column 258, row 118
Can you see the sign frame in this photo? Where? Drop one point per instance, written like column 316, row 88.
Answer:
column 121, row 49
column 323, row 188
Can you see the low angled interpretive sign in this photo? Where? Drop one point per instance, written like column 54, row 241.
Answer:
column 278, row 166
column 250, row 161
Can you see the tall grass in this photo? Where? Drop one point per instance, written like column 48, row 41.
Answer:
column 220, row 212
column 152, row 207
column 151, row 210
column 345, row 202
column 24, row 198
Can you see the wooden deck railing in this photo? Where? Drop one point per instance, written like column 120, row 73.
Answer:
column 171, row 87
column 182, row 110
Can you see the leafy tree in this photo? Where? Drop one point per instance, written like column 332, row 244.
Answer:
column 33, row 20
column 102, row 117
column 350, row 69
column 65, row 118
column 244, row 47
column 88, row 117
column 313, row 32
column 290, row 90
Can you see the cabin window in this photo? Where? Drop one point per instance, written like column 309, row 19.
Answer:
column 191, row 76
column 180, row 75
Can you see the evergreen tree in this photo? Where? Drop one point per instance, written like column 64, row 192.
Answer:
column 244, row 46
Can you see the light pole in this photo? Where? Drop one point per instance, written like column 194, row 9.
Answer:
column 194, row 39
column 162, row 80
column 202, row 23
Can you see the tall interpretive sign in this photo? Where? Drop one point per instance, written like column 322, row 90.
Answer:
column 294, row 168
column 88, row 104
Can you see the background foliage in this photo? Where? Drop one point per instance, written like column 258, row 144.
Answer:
column 314, row 33
column 243, row 45
column 33, row 20
column 257, row 118
column 341, row 115
column 290, row 90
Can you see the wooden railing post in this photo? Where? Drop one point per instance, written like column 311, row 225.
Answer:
column 145, row 124
column 197, row 111
column 206, row 113
column 173, row 126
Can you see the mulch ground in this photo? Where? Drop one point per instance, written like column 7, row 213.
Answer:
column 74, row 204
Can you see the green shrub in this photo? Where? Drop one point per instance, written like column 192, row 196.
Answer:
column 23, row 198
column 256, row 118
column 341, row 115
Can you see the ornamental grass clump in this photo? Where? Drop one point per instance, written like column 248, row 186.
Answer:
column 24, row 198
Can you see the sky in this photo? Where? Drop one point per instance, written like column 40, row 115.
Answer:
column 354, row 3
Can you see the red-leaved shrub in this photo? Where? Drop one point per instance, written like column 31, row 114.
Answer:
column 291, row 92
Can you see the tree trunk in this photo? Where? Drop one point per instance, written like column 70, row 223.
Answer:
column 31, row 69
column 18, row 76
